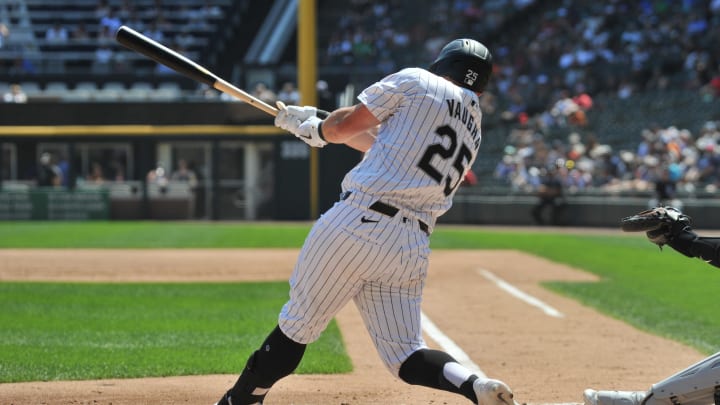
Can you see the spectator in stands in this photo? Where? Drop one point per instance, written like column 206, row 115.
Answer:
column 118, row 171
column 470, row 179
column 103, row 59
column 64, row 166
column 96, row 175
column 56, row 33
column 105, row 36
column 155, row 10
column 185, row 38
column 49, row 174
column 111, row 21
column 289, row 94
column 4, row 33
column 79, row 33
column 564, row 109
column 102, row 9
column 22, row 66
column 263, row 92
column 198, row 22
column 15, row 94
column 154, row 32
column 210, row 11
column 158, row 175
column 488, row 102
column 184, row 174
column 135, row 22
column 165, row 25
column 665, row 189
column 326, row 99
column 126, row 10
column 711, row 90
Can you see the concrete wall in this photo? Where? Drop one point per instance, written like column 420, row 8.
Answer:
column 581, row 211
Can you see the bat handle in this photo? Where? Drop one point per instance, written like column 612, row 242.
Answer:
column 228, row 88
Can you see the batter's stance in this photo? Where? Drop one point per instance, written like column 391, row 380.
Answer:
column 421, row 132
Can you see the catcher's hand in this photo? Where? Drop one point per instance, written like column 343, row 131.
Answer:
column 660, row 224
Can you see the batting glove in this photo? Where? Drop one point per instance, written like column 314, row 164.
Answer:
column 290, row 117
column 310, row 132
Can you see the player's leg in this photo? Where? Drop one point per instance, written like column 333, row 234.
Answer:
column 390, row 307
column 537, row 212
column 318, row 289
column 437, row 369
column 276, row 358
column 698, row 384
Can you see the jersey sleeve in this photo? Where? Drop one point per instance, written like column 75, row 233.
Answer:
column 384, row 97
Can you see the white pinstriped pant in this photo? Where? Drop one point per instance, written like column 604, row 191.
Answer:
column 380, row 265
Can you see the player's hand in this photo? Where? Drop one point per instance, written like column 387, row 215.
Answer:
column 290, row 117
column 309, row 132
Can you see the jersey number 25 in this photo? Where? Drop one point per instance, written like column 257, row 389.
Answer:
column 464, row 154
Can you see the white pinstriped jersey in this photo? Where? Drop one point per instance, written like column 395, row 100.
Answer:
column 429, row 138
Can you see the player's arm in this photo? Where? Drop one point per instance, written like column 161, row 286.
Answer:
column 353, row 126
column 690, row 244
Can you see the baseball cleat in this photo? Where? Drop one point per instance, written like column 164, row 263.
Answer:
column 593, row 397
column 492, row 392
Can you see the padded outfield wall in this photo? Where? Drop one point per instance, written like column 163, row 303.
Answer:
column 246, row 168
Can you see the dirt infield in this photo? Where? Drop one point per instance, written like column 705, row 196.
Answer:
column 545, row 359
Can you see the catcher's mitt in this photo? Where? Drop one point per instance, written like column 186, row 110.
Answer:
column 660, row 224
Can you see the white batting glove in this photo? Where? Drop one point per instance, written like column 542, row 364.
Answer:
column 290, row 117
column 309, row 132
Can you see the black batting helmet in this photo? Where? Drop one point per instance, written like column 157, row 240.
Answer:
column 466, row 61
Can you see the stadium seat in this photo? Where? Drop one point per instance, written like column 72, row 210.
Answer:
column 166, row 91
column 87, row 86
column 31, row 88
column 56, row 89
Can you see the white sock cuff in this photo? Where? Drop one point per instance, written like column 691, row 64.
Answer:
column 456, row 373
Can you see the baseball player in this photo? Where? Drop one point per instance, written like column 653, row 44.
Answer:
column 420, row 131
column 698, row 384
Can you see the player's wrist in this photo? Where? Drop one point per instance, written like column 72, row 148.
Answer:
column 320, row 132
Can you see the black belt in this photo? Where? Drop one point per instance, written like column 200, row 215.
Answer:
column 389, row 210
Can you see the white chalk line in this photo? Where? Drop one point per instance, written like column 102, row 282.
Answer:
column 449, row 346
column 517, row 293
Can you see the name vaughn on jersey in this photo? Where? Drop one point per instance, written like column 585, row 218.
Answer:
column 459, row 111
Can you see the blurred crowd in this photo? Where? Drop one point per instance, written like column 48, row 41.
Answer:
column 551, row 60
column 666, row 161
column 575, row 46
column 176, row 25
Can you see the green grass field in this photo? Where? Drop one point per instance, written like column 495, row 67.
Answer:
column 67, row 331
column 73, row 331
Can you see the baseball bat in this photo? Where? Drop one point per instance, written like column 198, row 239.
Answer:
column 186, row 67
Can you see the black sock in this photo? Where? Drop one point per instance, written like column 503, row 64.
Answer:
column 278, row 357
column 425, row 367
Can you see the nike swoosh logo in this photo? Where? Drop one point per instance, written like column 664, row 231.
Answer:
column 365, row 220
column 305, row 136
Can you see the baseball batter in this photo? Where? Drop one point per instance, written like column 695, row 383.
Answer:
column 420, row 130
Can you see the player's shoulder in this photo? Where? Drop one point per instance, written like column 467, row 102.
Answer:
column 413, row 73
column 411, row 79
